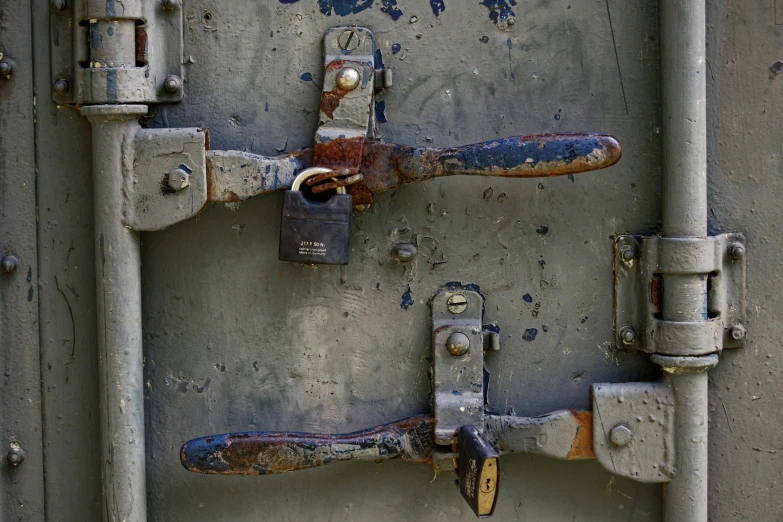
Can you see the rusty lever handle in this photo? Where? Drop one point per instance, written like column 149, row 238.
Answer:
column 235, row 176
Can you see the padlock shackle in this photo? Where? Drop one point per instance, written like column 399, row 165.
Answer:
column 308, row 173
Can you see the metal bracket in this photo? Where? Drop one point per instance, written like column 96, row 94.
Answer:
column 633, row 429
column 457, row 361
column 116, row 52
column 639, row 264
column 167, row 180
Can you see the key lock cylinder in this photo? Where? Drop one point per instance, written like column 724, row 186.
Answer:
column 315, row 231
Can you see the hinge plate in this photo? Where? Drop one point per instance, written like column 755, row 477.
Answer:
column 151, row 52
column 639, row 263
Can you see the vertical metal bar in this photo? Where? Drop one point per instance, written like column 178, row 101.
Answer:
column 118, row 277
column 684, row 86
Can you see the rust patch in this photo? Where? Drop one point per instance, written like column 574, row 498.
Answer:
column 656, row 293
column 141, row 45
column 331, row 100
column 582, row 447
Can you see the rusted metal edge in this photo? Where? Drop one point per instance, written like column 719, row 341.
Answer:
column 235, row 176
column 263, row 453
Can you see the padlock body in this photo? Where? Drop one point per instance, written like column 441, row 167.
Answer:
column 478, row 471
column 316, row 231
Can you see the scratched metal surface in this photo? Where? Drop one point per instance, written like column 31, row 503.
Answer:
column 237, row 341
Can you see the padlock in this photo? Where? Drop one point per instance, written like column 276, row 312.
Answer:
column 315, row 231
column 478, row 471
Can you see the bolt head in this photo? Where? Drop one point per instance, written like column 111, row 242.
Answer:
column 627, row 334
column 348, row 78
column 627, row 253
column 172, row 84
column 620, row 435
column 457, row 303
column 170, row 5
column 737, row 332
column 179, row 179
column 58, row 6
column 736, row 251
column 6, row 67
column 349, row 40
column 9, row 263
column 404, row 252
column 62, row 86
column 458, row 344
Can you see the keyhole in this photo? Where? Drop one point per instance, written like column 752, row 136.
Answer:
column 488, row 486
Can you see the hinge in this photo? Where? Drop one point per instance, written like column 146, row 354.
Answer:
column 640, row 263
column 116, row 52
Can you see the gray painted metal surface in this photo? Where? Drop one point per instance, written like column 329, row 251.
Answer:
column 235, row 340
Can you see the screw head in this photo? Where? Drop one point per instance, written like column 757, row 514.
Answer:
column 620, row 435
column 179, row 178
column 736, row 251
column 62, row 86
column 170, row 5
column 172, row 84
column 737, row 332
column 7, row 66
column 627, row 253
column 627, row 334
column 347, row 78
column 349, row 40
column 404, row 252
column 58, row 6
column 9, row 263
column 457, row 303
column 458, row 344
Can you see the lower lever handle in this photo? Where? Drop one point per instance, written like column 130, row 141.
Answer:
column 262, row 453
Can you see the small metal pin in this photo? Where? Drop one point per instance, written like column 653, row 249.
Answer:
column 458, row 344
column 347, row 78
column 404, row 252
column 9, row 263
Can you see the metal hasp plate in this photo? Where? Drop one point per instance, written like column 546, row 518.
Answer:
column 639, row 264
column 116, row 52
column 633, row 429
column 457, row 361
column 168, row 179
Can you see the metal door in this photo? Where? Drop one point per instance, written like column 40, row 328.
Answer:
column 236, row 340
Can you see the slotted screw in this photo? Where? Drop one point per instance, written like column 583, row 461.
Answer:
column 457, row 303
column 349, row 40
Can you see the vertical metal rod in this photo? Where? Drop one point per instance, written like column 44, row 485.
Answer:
column 684, row 86
column 118, row 281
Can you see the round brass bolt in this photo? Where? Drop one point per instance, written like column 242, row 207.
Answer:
column 348, row 78
column 458, row 344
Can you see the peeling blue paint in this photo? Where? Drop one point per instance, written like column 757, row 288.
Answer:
column 455, row 285
column 379, row 60
column 380, row 115
column 545, row 328
column 584, row 319
column 407, row 299
column 343, row 7
column 110, row 11
column 111, row 85
column 391, row 9
column 95, row 36
column 491, row 327
column 396, row 48
column 437, row 7
column 527, row 298
column 530, row 334
column 571, row 177
column 543, row 230
column 542, row 263
column 306, row 77
column 266, row 106
column 499, row 10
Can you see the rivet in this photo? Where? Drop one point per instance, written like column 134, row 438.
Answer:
column 62, row 86
column 404, row 252
column 736, row 251
column 737, row 332
column 170, row 5
column 58, row 6
column 627, row 334
column 9, row 263
column 15, row 455
column 627, row 253
column 347, row 78
column 7, row 66
column 172, row 84
column 458, row 344
column 620, row 435
column 457, row 303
